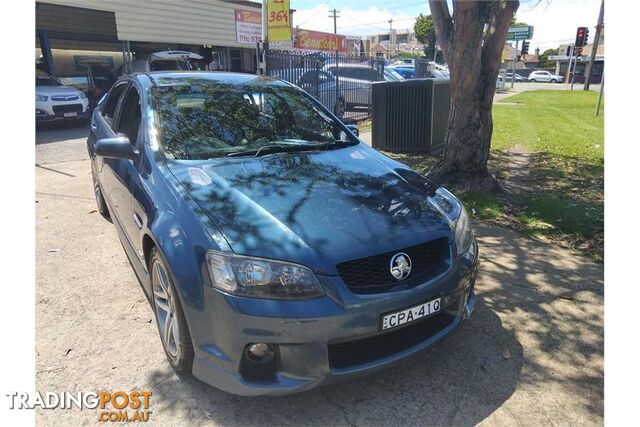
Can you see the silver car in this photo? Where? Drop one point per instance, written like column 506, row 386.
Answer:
column 545, row 76
column 321, row 84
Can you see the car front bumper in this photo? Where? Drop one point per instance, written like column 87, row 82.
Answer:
column 323, row 340
column 50, row 111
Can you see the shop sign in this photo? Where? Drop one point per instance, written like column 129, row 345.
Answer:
column 316, row 40
column 278, row 23
column 248, row 26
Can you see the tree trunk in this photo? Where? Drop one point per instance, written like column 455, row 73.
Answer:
column 472, row 42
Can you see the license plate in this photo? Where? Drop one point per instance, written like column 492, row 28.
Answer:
column 74, row 114
column 411, row 314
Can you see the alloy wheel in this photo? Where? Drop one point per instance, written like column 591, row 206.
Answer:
column 165, row 309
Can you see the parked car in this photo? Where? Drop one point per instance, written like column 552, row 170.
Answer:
column 545, row 76
column 404, row 70
column 166, row 60
column 55, row 101
column 319, row 83
column 355, row 82
column 278, row 252
column 518, row 77
column 392, row 75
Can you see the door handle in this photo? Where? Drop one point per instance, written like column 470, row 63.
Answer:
column 138, row 220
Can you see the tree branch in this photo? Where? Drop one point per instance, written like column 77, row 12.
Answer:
column 443, row 25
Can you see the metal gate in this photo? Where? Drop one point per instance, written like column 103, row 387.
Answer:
column 341, row 82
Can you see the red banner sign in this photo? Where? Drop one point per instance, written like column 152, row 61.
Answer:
column 248, row 26
column 316, row 40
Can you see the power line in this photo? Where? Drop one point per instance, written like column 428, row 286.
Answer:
column 313, row 16
column 372, row 24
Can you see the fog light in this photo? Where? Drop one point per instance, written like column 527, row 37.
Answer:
column 260, row 351
column 259, row 362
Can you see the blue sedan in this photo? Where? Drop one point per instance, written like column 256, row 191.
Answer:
column 278, row 251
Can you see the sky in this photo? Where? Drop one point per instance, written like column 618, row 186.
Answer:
column 554, row 21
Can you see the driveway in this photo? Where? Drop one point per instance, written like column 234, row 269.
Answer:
column 61, row 142
column 532, row 354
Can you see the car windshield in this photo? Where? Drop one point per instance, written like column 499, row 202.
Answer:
column 201, row 121
column 44, row 79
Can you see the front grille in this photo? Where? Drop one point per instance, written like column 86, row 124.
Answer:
column 372, row 274
column 357, row 352
column 70, row 108
column 64, row 98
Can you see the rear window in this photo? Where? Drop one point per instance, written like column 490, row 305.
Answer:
column 44, row 79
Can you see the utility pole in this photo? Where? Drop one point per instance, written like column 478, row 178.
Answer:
column 335, row 14
column 390, row 21
column 265, row 42
column 600, row 95
column 594, row 47
column 513, row 70
column 568, row 72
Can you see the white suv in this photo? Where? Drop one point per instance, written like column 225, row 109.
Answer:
column 54, row 101
column 545, row 76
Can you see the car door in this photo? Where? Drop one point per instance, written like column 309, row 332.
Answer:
column 103, row 126
column 327, row 89
column 127, row 171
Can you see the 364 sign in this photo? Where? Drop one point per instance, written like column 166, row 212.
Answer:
column 278, row 23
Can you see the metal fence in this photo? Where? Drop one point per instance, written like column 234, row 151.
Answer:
column 341, row 82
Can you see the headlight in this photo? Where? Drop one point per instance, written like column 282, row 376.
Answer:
column 82, row 95
column 456, row 215
column 261, row 278
column 41, row 98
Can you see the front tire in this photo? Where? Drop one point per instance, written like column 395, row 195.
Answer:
column 554, row 81
column 533, row 81
column 172, row 325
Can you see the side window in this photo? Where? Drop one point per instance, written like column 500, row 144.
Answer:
column 130, row 116
column 109, row 107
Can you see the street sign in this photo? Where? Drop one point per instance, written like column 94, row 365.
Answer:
column 520, row 33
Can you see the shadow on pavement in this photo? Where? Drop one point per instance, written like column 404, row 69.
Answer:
column 461, row 380
column 531, row 354
column 61, row 131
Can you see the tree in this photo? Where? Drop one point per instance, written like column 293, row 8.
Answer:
column 544, row 61
column 426, row 34
column 472, row 40
column 514, row 22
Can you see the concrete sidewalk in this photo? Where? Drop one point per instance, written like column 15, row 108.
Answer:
column 532, row 353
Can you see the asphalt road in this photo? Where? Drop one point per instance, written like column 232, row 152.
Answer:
column 532, row 354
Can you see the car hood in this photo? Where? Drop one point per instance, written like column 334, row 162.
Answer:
column 316, row 208
column 56, row 90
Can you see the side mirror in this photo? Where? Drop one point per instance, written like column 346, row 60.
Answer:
column 116, row 148
column 354, row 129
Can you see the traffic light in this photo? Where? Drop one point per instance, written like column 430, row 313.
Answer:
column 525, row 47
column 582, row 35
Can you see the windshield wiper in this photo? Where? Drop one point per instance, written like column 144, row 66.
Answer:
column 277, row 148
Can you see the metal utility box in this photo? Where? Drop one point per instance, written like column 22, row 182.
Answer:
column 410, row 115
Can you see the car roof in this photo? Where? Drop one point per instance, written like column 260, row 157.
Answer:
column 180, row 78
column 349, row 66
